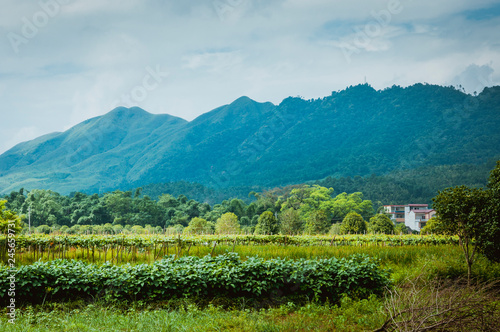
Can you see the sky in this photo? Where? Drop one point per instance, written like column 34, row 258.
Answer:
column 65, row 61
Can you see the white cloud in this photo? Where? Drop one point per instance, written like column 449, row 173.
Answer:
column 475, row 78
column 94, row 51
column 213, row 61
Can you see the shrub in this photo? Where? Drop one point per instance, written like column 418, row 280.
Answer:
column 381, row 224
column 224, row 275
column 353, row 223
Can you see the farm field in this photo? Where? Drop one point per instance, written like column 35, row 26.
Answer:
column 148, row 248
column 402, row 259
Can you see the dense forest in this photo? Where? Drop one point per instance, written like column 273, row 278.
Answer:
column 295, row 209
column 182, row 206
column 406, row 186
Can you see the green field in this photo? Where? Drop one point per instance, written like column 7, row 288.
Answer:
column 417, row 266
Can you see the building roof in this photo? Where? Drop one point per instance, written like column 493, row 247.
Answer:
column 418, row 204
column 423, row 210
column 394, row 205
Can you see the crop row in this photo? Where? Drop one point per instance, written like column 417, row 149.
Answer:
column 150, row 241
column 208, row 277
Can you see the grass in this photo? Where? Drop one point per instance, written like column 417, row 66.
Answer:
column 364, row 315
column 426, row 262
column 399, row 254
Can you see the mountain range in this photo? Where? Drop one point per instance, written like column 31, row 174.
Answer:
column 356, row 131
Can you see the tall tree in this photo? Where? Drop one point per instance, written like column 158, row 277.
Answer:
column 267, row 224
column 290, row 223
column 317, row 223
column 462, row 211
column 490, row 238
column 227, row 224
column 9, row 220
column 198, row 226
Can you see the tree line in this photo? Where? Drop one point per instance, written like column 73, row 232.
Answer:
column 300, row 209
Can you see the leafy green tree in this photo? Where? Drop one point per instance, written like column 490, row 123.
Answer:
column 44, row 204
column 180, row 218
column 489, row 240
column 245, row 221
column 168, row 201
column 147, row 211
column 227, row 224
column 462, row 212
column 43, row 229
column 86, row 229
column 15, row 201
column 433, row 226
column 317, row 223
column 267, row 224
column 401, row 228
column 117, row 229
column 138, row 229
column 353, row 223
column 308, row 199
column 198, row 226
column 268, row 200
column 107, row 229
column 120, row 205
column 217, row 212
column 381, row 224
column 174, row 230
column 9, row 220
column 335, row 229
column 345, row 203
column 75, row 229
column 290, row 223
column 238, row 207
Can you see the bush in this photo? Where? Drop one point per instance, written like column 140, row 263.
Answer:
column 224, row 275
column 432, row 227
column 43, row 229
column 353, row 223
column 381, row 224
column 335, row 229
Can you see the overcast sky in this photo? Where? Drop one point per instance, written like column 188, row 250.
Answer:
column 64, row 61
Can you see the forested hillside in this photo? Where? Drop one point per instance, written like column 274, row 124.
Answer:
column 358, row 131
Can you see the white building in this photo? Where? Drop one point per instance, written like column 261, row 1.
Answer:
column 414, row 216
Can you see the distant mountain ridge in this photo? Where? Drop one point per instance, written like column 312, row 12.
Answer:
column 356, row 131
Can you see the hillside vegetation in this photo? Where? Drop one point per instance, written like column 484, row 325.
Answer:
column 358, row 131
